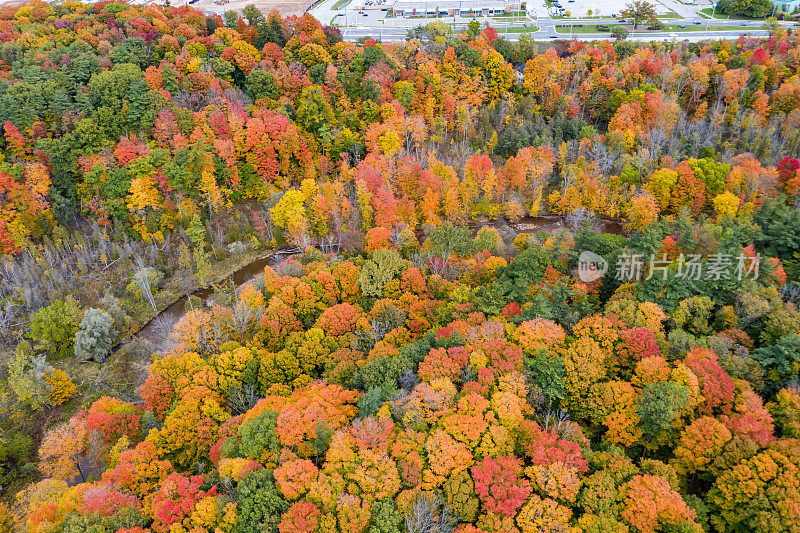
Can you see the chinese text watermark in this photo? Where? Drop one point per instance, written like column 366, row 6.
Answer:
column 632, row 267
column 691, row 267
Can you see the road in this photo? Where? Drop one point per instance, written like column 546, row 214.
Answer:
column 399, row 34
column 356, row 24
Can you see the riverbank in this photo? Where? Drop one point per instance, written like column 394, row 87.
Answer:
column 154, row 330
column 127, row 367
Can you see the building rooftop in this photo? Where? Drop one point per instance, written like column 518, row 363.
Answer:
column 464, row 5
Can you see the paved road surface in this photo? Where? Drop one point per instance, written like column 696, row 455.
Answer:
column 399, row 34
column 355, row 24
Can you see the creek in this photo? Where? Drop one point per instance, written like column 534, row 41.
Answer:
column 154, row 333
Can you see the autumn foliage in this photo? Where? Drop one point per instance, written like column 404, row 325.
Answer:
column 404, row 367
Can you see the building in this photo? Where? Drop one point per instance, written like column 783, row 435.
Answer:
column 381, row 5
column 453, row 8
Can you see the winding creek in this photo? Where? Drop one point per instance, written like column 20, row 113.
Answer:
column 153, row 330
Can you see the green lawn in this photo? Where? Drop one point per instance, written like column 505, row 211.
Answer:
column 592, row 29
column 529, row 29
column 518, row 14
column 586, row 28
column 340, row 4
column 717, row 15
column 702, row 27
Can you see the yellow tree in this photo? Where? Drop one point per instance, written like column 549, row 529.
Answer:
column 144, row 198
column 500, row 75
column 201, row 163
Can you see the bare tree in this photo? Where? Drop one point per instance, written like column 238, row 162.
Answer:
column 242, row 320
column 241, row 399
column 163, row 325
column 557, row 421
column 143, row 282
column 391, row 318
column 582, row 218
column 8, row 313
column 791, row 292
column 429, row 514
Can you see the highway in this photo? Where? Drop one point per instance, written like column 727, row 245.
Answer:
column 390, row 34
column 375, row 23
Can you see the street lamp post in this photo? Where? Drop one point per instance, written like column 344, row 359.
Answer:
column 713, row 11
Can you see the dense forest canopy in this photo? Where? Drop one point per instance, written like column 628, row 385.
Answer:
column 422, row 363
column 140, row 117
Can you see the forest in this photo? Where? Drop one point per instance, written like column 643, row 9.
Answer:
column 423, row 357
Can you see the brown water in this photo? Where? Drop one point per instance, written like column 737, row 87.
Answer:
column 552, row 224
column 155, row 330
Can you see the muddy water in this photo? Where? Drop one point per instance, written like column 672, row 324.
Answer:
column 552, row 224
column 155, row 331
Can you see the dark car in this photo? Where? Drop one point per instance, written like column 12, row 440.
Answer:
column 696, row 22
column 682, row 26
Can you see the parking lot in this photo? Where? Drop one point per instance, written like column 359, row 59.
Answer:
column 357, row 17
column 602, row 8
